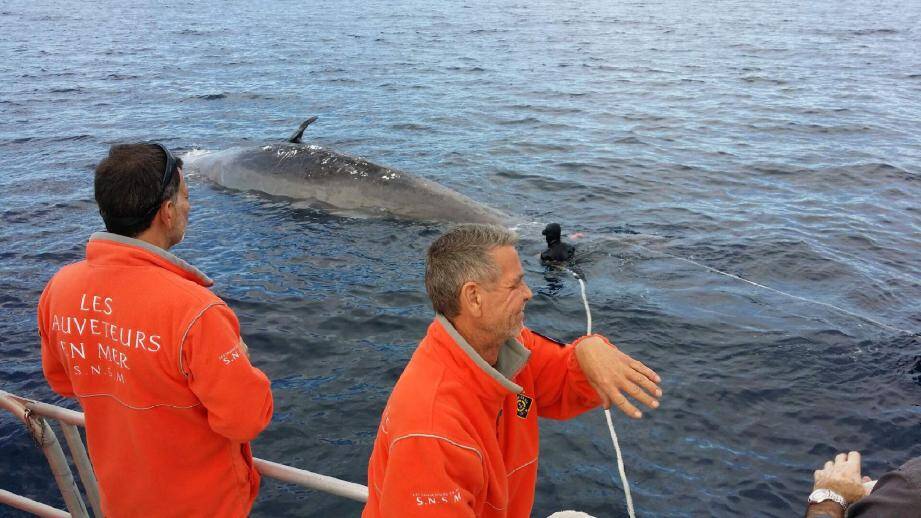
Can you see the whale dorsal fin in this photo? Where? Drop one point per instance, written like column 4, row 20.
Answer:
column 296, row 138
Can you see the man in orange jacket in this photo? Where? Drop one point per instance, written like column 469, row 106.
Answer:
column 154, row 358
column 459, row 434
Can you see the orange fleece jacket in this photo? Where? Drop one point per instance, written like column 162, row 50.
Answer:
column 459, row 437
column 154, row 358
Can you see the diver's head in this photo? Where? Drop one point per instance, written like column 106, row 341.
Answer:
column 552, row 233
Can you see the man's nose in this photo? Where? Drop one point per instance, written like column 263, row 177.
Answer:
column 527, row 293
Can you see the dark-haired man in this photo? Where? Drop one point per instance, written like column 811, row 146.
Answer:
column 154, row 358
column 459, row 434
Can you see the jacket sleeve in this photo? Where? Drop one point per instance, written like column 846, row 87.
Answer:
column 237, row 396
column 55, row 370
column 897, row 493
column 562, row 391
column 430, row 476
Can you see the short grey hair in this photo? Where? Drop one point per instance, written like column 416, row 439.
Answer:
column 462, row 255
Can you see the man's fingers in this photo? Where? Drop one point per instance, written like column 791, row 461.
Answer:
column 621, row 402
column 853, row 464
column 647, row 384
column 829, row 465
column 840, row 458
column 646, row 371
column 619, row 377
column 637, row 393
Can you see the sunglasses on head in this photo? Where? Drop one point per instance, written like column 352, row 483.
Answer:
column 167, row 177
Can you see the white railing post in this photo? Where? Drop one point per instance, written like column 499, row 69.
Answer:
column 44, row 437
column 84, row 466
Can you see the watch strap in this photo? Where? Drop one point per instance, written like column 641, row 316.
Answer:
column 821, row 495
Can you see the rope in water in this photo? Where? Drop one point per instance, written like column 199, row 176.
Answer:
column 607, row 411
column 762, row 286
column 588, row 331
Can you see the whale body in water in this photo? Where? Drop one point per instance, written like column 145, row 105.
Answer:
column 338, row 181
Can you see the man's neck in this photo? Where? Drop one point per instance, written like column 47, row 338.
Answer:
column 155, row 238
column 486, row 345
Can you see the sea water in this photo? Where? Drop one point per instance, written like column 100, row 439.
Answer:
column 777, row 141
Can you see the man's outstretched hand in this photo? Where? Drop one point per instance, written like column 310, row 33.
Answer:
column 842, row 475
column 615, row 375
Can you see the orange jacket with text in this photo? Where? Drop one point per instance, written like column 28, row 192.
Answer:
column 459, row 437
column 155, row 360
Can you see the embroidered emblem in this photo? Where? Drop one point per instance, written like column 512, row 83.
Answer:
column 448, row 497
column 524, row 405
column 232, row 355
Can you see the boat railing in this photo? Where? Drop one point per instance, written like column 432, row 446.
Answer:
column 34, row 413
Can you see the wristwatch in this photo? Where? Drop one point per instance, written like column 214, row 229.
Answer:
column 821, row 495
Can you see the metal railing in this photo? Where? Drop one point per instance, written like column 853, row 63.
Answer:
column 33, row 414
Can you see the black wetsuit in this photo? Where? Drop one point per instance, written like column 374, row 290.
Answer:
column 558, row 252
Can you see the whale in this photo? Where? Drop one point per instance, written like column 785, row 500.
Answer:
column 337, row 182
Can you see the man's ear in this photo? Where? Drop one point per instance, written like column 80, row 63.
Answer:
column 470, row 299
column 166, row 213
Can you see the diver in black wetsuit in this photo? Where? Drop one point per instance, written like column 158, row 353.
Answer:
column 557, row 251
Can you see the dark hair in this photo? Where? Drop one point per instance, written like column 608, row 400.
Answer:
column 127, row 183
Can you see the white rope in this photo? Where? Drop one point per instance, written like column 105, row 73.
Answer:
column 607, row 412
column 792, row 296
column 620, row 463
column 588, row 312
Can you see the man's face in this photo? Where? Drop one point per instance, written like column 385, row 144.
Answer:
column 181, row 214
column 504, row 300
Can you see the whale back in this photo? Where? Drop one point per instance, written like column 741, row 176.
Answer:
column 316, row 174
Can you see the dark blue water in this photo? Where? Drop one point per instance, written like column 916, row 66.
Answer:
column 777, row 141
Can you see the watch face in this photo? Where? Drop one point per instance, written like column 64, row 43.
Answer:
column 821, row 495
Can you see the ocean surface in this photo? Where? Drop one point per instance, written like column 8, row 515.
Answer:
column 774, row 141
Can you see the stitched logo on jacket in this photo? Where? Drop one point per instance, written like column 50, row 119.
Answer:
column 524, row 405
column 449, row 497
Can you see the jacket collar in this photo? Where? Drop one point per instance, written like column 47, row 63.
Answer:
column 107, row 248
column 491, row 380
